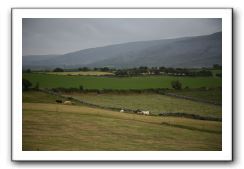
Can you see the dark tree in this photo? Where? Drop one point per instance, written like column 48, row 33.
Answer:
column 162, row 69
column 26, row 84
column 37, row 86
column 105, row 69
column 219, row 74
column 217, row 66
column 143, row 69
column 81, row 88
column 28, row 71
column 121, row 73
column 176, row 85
column 204, row 73
column 58, row 70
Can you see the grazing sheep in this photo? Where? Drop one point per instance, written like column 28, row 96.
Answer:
column 122, row 111
column 143, row 112
column 68, row 102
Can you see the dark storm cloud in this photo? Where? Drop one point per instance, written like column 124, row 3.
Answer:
column 59, row 36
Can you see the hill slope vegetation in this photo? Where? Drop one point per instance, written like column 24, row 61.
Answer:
column 198, row 51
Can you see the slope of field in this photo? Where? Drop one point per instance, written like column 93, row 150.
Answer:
column 142, row 82
column 41, row 97
column 38, row 97
column 61, row 127
column 153, row 102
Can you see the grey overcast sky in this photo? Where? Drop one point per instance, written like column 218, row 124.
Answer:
column 43, row 36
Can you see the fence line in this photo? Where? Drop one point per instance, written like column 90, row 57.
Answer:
column 175, row 114
column 191, row 98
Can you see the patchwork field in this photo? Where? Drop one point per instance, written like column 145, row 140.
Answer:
column 50, row 126
column 141, row 82
column 80, row 73
column 213, row 95
column 154, row 102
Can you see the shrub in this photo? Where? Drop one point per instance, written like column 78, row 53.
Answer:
column 219, row 74
column 176, row 85
column 58, row 70
column 26, row 84
column 37, row 86
column 81, row 88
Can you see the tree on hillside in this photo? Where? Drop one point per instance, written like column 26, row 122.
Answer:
column 36, row 86
column 26, row 84
column 105, row 69
column 204, row 73
column 121, row 73
column 58, row 70
column 219, row 74
column 81, row 88
column 176, row 85
column 217, row 66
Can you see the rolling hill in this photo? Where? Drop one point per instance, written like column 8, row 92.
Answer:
column 197, row 51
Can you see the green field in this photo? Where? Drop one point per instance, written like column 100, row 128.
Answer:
column 213, row 95
column 141, row 82
column 80, row 73
column 153, row 102
column 50, row 127
column 38, row 97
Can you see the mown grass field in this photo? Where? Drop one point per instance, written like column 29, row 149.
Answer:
column 125, row 83
column 50, row 127
column 80, row 73
column 213, row 95
column 33, row 96
column 155, row 103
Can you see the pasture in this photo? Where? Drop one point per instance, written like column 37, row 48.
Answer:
column 155, row 103
column 121, row 83
column 80, row 73
column 55, row 127
column 212, row 95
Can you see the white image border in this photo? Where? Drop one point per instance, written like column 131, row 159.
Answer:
column 224, row 155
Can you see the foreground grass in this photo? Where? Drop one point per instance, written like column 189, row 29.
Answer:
column 61, row 127
column 123, row 83
column 153, row 102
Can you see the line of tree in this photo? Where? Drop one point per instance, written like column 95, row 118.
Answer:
column 162, row 70
column 144, row 70
column 58, row 70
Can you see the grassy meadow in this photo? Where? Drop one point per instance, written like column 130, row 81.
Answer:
column 155, row 103
column 84, row 126
column 213, row 95
column 48, row 126
column 80, row 73
column 122, row 83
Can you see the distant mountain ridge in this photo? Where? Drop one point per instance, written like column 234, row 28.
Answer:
column 197, row 51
